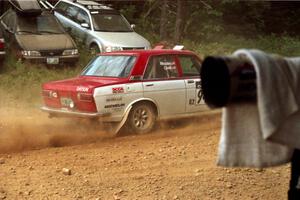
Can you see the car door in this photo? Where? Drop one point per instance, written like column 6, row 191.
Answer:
column 163, row 85
column 67, row 14
column 190, row 66
column 83, row 18
column 60, row 13
column 8, row 26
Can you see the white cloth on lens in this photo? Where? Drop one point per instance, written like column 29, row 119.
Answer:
column 264, row 134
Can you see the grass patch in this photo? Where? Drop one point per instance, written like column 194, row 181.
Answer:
column 22, row 81
column 227, row 44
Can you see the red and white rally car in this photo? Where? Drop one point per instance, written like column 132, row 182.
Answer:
column 135, row 88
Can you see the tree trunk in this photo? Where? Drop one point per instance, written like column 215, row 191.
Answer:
column 179, row 20
column 163, row 20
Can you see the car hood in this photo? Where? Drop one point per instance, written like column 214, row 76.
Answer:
column 45, row 42
column 122, row 39
column 81, row 84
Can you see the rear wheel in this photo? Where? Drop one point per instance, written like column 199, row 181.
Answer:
column 141, row 118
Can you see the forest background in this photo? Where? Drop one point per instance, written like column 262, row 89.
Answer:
column 208, row 27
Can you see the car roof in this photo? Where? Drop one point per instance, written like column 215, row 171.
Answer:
column 43, row 13
column 150, row 52
column 91, row 5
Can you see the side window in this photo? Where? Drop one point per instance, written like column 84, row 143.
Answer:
column 71, row 12
column 190, row 65
column 163, row 66
column 83, row 17
column 12, row 22
column 61, row 7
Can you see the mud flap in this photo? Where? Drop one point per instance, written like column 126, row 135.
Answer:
column 122, row 122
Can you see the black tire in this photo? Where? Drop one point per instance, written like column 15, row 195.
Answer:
column 94, row 49
column 141, row 118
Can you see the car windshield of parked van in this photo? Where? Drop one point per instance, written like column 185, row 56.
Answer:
column 110, row 66
column 110, row 23
column 44, row 24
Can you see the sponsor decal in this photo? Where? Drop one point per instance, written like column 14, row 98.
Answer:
column 111, row 99
column 82, row 89
column 169, row 68
column 198, row 85
column 119, row 105
column 167, row 63
column 118, row 90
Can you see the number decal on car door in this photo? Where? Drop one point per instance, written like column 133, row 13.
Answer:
column 199, row 93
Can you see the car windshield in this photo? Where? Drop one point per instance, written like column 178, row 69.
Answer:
column 110, row 66
column 44, row 24
column 110, row 23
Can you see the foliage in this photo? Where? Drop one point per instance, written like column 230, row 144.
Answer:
column 22, row 81
column 210, row 28
column 204, row 19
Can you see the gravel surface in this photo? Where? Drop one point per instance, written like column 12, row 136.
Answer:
column 43, row 158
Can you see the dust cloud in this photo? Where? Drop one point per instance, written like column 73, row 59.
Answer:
column 29, row 130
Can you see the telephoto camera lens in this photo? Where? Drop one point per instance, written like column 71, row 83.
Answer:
column 228, row 79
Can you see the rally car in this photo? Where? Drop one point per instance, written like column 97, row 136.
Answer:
column 134, row 88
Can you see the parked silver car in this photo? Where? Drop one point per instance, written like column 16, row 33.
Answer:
column 99, row 27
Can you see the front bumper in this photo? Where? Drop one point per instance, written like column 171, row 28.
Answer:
column 61, row 59
column 68, row 113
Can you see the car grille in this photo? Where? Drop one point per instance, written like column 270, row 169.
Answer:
column 133, row 48
column 52, row 53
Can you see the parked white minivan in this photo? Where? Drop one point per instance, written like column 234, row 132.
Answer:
column 99, row 27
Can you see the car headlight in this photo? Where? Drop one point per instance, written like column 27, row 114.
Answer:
column 110, row 49
column 70, row 52
column 31, row 53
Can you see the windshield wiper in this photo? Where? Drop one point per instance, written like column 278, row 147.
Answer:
column 29, row 32
column 124, row 31
column 51, row 32
column 106, row 30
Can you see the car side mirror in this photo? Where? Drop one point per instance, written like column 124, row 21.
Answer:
column 85, row 25
column 133, row 26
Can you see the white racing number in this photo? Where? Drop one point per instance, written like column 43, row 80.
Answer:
column 199, row 93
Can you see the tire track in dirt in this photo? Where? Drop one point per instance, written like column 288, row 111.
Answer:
column 29, row 129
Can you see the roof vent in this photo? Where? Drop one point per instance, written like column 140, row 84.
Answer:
column 158, row 47
column 178, row 47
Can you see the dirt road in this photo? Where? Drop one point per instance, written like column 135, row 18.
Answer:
column 175, row 162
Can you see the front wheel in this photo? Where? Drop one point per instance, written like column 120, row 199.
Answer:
column 141, row 118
